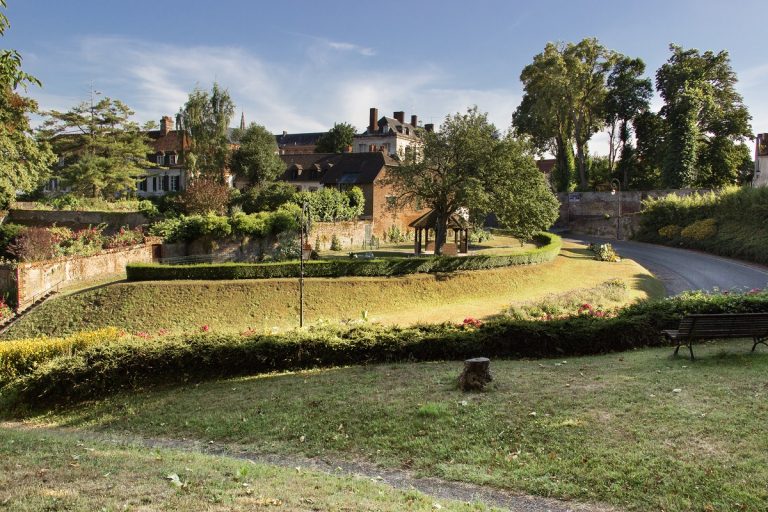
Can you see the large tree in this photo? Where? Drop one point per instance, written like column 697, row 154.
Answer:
column 467, row 165
column 257, row 159
column 706, row 118
column 336, row 140
column 627, row 97
column 564, row 99
column 206, row 117
column 101, row 151
column 24, row 162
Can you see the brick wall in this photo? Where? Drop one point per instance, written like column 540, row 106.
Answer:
column 384, row 216
column 34, row 279
column 351, row 234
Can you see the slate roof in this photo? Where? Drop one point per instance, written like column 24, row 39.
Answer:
column 357, row 168
column 297, row 139
column 307, row 167
column 394, row 125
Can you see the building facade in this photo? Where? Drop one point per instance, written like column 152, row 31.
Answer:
column 389, row 134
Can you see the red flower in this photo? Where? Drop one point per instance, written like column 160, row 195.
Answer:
column 205, row 328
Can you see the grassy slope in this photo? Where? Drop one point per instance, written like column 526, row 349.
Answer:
column 60, row 472
column 638, row 429
column 239, row 305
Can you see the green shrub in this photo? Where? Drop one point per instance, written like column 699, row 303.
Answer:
column 738, row 216
column 332, row 205
column 339, row 268
column 133, row 363
column 335, row 243
column 604, row 252
column 670, row 231
column 700, row 230
column 20, row 357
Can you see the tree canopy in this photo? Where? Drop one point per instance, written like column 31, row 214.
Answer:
column 705, row 118
column 206, row 117
column 24, row 161
column 336, row 140
column 101, row 151
column 257, row 157
column 467, row 165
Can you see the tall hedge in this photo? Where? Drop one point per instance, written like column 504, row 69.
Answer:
column 123, row 365
column 549, row 249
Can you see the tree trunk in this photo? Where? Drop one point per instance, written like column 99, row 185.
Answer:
column 582, row 161
column 476, row 374
column 441, row 222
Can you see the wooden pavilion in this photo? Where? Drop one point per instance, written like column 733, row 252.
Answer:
column 428, row 222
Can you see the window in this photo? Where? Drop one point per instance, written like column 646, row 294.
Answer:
column 170, row 160
column 53, row 184
column 166, row 183
column 143, row 185
column 159, row 159
column 174, row 183
column 391, row 201
column 154, row 184
column 362, row 148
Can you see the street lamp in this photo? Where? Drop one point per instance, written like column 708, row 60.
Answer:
column 616, row 188
column 303, row 230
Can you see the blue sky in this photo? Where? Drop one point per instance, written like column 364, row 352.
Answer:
column 303, row 65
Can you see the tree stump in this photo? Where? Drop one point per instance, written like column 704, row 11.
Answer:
column 476, row 374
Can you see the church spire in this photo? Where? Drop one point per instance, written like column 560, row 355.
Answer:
column 242, row 120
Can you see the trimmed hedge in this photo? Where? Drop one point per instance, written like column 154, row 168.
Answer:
column 549, row 248
column 124, row 365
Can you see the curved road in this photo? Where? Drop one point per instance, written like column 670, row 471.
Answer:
column 681, row 270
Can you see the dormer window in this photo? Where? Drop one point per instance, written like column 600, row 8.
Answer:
column 159, row 159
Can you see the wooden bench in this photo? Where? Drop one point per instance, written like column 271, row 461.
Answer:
column 717, row 326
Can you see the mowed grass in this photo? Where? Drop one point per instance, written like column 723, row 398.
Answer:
column 55, row 471
column 236, row 306
column 639, row 430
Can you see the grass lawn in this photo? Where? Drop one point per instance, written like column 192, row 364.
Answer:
column 498, row 245
column 46, row 471
column 639, row 430
column 264, row 304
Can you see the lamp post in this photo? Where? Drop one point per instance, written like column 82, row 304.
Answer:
column 303, row 230
column 616, row 188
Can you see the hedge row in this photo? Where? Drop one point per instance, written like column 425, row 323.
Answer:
column 124, row 365
column 549, row 248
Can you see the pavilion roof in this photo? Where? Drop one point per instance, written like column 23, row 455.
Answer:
column 429, row 220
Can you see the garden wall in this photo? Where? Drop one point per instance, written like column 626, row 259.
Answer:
column 30, row 281
column 351, row 234
column 76, row 219
column 594, row 213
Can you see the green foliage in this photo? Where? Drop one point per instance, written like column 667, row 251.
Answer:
column 700, row 230
column 258, row 225
column 737, row 234
column 670, row 231
column 394, row 235
column 22, row 356
column 102, row 152
column 573, row 302
column 205, row 195
column 332, row 205
column 337, row 139
column 705, row 115
column 129, row 364
column 604, row 252
column 337, row 268
column 25, row 162
column 520, row 195
column 564, row 100
column 40, row 243
column 257, row 158
column 266, row 198
column 335, row 243
column 206, row 117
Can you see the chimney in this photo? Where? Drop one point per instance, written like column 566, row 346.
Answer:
column 373, row 125
column 400, row 116
column 372, row 148
column 429, row 127
column 414, row 121
column 166, row 124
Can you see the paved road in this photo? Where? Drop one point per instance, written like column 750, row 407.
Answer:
column 681, row 269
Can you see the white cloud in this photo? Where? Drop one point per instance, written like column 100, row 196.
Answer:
column 155, row 79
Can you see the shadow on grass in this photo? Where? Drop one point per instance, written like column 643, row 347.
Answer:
column 713, row 355
column 654, row 288
column 577, row 254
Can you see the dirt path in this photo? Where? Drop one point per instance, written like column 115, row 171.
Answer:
column 396, row 478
